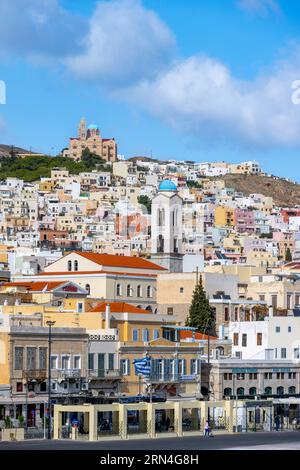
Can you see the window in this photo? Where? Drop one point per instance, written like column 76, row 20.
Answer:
column 43, row 387
column 139, row 291
column 194, row 367
column 236, row 314
column 19, row 387
column 259, row 339
column 280, row 375
column 43, row 358
column 296, row 353
column 240, row 391
column 31, row 358
column 75, row 265
column 19, row 358
column 274, row 300
column 88, row 288
column 181, row 290
column 289, row 329
column 119, row 290
column 65, row 362
column 253, row 376
column 226, row 314
column 252, row 391
column 135, row 335
column 268, row 391
column 77, row 362
column 235, row 339
column 69, row 265
column 181, row 366
column 125, row 367
column 288, row 301
column 170, row 311
column 262, row 297
column 277, row 329
column 155, row 334
column 54, row 362
column 292, row 375
column 129, row 290
column 292, row 390
column 283, row 353
column 244, row 340
column 91, row 359
column 227, row 392
column 149, row 291
column 54, row 386
column 240, row 376
column 111, row 361
column 280, row 391
column 79, row 307
column 146, row 335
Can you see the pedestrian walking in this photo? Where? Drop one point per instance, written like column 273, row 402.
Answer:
column 277, row 422
column 207, row 429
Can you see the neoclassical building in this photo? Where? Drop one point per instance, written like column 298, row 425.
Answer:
column 90, row 137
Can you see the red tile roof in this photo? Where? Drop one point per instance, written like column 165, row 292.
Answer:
column 35, row 286
column 120, row 261
column 185, row 334
column 119, row 307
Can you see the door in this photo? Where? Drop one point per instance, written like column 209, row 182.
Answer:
column 101, row 359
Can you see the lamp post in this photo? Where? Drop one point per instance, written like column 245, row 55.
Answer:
column 49, row 324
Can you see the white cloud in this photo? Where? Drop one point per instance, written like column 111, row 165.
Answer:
column 262, row 7
column 39, row 29
column 125, row 43
column 201, row 96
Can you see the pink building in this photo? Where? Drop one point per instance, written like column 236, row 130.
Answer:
column 244, row 220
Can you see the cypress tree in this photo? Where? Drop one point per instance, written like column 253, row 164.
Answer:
column 288, row 255
column 201, row 315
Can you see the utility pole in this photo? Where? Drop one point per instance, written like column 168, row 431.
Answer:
column 49, row 324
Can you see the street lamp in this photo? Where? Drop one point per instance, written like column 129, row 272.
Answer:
column 49, row 323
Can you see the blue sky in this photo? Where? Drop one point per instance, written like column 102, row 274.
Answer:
column 202, row 80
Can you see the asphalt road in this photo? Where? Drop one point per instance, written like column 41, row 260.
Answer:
column 282, row 440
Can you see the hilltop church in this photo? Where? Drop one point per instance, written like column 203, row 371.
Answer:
column 90, row 137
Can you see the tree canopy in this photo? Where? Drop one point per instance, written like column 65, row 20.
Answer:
column 201, row 315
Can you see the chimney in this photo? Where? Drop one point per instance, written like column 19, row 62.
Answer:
column 107, row 316
column 271, row 311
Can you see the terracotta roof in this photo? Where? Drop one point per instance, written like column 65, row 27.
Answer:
column 79, row 273
column 35, row 286
column 119, row 307
column 185, row 334
column 120, row 261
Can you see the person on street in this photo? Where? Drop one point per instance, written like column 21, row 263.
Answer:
column 277, row 422
column 206, row 429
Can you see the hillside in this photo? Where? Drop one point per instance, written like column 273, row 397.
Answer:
column 284, row 193
column 5, row 150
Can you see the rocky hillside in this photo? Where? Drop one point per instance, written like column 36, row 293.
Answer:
column 284, row 193
column 5, row 150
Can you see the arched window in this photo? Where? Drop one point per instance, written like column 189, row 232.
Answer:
column 149, row 292
column 252, row 391
column 129, row 290
column 139, row 291
column 160, row 244
column 119, row 290
column 227, row 392
column 280, row 391
column 149, row 308
column 268, row 391
column 240, row 392
column 75, row 265
column 88, row 288
column 69, row 265
column 292, row 390
column 220, row 349
column 161, row 217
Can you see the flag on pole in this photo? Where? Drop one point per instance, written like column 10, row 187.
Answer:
column 143, row 366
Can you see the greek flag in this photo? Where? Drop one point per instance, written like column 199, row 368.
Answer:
column 143, row 366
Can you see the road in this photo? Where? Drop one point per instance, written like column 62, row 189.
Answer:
column 285, row 440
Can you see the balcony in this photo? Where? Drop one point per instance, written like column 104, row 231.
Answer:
column 31, row 374
column 104, row 374
column 168, row 378
column 66, row 373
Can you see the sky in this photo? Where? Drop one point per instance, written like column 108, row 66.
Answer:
column 205, row 80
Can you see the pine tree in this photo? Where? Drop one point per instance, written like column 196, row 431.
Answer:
column 200, row 313
column 288, row 255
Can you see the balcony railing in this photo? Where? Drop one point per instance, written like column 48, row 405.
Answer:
column 160, row 378
column 104, row 374
column 29, row 374
column 67, row 373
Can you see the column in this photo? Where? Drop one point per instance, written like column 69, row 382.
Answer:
column 229, row 415
column 93, row 415
column 123, row 421
column 178, row 418
column 57, row 422
column 151, row 420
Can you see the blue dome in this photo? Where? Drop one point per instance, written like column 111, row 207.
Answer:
column 167, row 185
column 92, row 126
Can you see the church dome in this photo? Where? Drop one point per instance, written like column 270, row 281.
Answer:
column 167, row 185
column 92, row 126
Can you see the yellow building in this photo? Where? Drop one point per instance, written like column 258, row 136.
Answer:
column 224, row 216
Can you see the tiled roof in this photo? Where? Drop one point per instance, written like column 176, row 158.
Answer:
column 35, row 286
column 119, row 307
column 189, row 334
column 120, row 261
